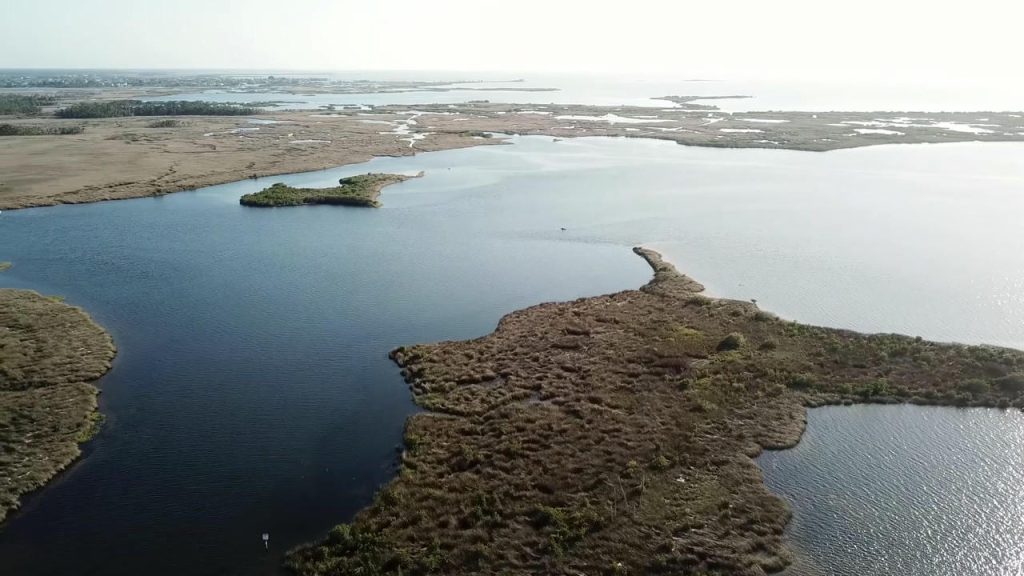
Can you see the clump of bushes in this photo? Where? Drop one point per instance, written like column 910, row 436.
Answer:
column 566, row 526
column 976, row 386
column 28, row 130
column 800, row 382
column 733, row 341
column 1011, row 383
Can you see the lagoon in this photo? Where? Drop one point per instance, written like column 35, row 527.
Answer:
column 252, row 392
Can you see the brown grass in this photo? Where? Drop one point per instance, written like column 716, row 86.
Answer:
column 49, row 351
column 614, row 435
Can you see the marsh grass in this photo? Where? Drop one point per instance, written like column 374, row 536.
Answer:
column 614, row 435
column 49, row 351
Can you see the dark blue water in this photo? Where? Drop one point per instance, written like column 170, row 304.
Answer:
column 252, row 393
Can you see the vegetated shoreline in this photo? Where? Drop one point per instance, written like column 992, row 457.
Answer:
column 199, row 151
column 616, row 435
column 360, row 190
column 51, row 354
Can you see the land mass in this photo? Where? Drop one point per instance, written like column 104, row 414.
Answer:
column 361, row 190
column 615, row 435
column 50, row 353
column 46, row 160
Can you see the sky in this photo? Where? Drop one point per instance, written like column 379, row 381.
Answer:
column 870, row 38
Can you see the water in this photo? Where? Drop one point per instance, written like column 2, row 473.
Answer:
column 806, row 94
column 251, row 392
column 882, row 490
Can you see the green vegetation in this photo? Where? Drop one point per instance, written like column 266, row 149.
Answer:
column 49, row 351
column 23, row 103
column 733, row 341
column 614, row 435
column 29, row 130
column 118, row 108
column 362, row 190
column 5, row 266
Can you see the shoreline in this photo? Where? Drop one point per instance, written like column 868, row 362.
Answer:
column 613, row 431
column 199, row 151
column 48, row 395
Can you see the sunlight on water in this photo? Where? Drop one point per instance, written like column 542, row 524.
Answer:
column 252, row 391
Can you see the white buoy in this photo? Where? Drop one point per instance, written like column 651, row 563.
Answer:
column 266, row 540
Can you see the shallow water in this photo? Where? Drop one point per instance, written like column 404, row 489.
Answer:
column 884, row 490
column 252, row 392
column 806, row 94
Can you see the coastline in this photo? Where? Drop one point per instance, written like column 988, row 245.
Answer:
column 52, row 355
column 202, row 151
column 613, row 435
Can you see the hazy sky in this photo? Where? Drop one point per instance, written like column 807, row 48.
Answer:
column 711, row 37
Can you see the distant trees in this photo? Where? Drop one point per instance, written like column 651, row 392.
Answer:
column 118, row 108
column 23, row 103
column 29, row 130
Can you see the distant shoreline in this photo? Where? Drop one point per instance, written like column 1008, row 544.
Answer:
column 181, row 153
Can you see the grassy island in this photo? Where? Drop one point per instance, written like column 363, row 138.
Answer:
column 49, row 352
column 615, row 435
column 361, row 190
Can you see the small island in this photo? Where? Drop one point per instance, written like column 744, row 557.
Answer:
column 615, row 435
column 50, row 353
column 361, row 190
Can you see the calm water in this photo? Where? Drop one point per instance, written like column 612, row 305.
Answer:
column 808, row 94
column 885, row 490
column 252, row 391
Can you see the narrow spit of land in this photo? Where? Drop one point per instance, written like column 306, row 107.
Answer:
column 361, row 190
column 615, row 435
column 49, row 354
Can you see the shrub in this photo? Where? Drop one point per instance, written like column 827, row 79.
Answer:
column 1011, row 383
column 733, row 341
column 975, row 386
column 800, row 381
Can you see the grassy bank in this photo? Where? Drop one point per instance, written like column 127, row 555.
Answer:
column 614, row 435
column 362, row 190
column 49, row 352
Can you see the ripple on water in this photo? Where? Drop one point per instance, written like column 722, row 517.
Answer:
column 905, row 490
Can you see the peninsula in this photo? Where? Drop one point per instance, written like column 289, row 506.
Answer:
column 50, row 353
column 361, row 190
column 615, row 435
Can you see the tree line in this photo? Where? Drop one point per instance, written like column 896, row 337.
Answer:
column 23, row 103
column 24, row 130
column 118, row 108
